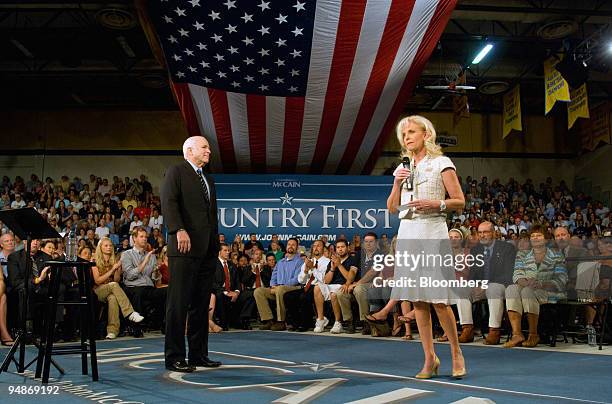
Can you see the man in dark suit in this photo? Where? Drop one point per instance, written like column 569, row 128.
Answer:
column 254, row 275
column 497, row 269
column 16, row 266
column 227, row 289
column 190, row 211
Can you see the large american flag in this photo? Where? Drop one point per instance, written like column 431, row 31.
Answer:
column 296, row 86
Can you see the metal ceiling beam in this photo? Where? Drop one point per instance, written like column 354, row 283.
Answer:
column 533, row 10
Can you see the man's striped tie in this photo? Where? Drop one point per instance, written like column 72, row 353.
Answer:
column 204, row 187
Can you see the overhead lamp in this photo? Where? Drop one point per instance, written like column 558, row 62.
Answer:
column 26, row 52
column 483, row 52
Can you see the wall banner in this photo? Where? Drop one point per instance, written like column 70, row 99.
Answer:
column 578, row 107
column 556, row 88
column 304, row 206
column 512, row 111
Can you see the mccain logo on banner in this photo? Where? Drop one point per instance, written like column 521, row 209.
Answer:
column 304, row 206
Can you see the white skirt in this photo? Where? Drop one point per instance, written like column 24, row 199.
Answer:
column 423, row 271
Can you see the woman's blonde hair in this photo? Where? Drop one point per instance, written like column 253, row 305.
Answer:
column 163, row 254
column 99, row 257
column 431, row 148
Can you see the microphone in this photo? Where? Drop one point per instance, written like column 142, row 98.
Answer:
column 406, row 164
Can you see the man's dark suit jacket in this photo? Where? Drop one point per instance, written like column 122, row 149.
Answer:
column 219, row 282
column 248, row 277
column 501, row 264
column 16, row 267
column 190, row 211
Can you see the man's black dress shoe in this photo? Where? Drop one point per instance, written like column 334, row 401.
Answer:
column 180, row 366
column 205, row 361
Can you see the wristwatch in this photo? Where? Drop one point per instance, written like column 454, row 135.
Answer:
column 442, row 206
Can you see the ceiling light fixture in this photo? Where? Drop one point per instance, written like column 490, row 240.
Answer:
column 22, row 48
column 483, row 52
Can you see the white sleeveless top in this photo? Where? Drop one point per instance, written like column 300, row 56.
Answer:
column 427, row 184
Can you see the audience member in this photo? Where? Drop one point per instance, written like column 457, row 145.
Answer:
column 284, row 279
column 107, row 276
column 539, row 277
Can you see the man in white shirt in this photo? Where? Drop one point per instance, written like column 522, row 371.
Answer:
column 517, row 227
column 601, row 210
column 298, row 303
column 578, row 212
column 18, row 203
column 102, row 230
column 156, row 221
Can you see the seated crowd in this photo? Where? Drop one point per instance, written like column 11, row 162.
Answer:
column 525, row 236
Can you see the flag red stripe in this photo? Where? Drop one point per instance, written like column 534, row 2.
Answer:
column 185, row 102
column 347, row 38
column 430, row 39
column 399, row 16
column 256, row 117
column 223, row 127
column 294, row 116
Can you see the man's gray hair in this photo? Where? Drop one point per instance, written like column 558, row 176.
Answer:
column 189, row 142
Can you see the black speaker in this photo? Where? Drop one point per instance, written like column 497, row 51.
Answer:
column 574, row 72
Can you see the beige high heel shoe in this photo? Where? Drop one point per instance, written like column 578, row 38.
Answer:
column 458, row 374
column 433, row 371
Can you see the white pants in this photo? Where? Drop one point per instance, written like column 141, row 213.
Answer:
column 495, row 295
column 524, row 299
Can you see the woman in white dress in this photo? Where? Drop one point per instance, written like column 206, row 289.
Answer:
column 423, row 223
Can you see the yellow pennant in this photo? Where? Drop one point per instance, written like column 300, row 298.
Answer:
column 600, row 124
column 512, row 111
column 578, row 107
column 555, row 86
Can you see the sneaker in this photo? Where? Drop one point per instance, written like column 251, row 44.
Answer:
column 135, row 317
column 337, row 328
column 110, row 335
column 320, row 325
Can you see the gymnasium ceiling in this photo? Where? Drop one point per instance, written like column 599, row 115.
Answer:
column 94, row 54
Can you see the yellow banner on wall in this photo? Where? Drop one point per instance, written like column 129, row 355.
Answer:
column 578, row 107
column 555, row 86
column 600, row 124
column 512, row 111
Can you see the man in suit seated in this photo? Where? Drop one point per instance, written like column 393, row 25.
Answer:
column 498, row 257
column 226, row 288
column 255, row 275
